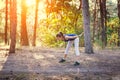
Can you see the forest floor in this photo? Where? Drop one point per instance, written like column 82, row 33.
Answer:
column 36, row 63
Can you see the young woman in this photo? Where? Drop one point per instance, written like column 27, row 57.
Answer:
column 70, row 39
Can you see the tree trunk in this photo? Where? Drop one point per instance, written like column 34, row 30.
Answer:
column 86, row 19
column 35, row 25
column 94, row 21
column 103, row 22
column 24, row 34
column 6, row 23
column 118, row 5
column 13, row 25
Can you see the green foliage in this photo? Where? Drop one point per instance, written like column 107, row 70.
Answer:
column 112, row 32
column 68, row 23
column 46, row 36
column 62, row 15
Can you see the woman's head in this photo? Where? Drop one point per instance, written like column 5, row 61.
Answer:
column 60, row 36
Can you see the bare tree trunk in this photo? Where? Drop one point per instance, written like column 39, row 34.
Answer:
column 24, row 34
column 105, row 16
column 6, row 23
column 86, row 19
column 13, row 25
column 35, row 25
column 118, row 5
column 103, row 22
column 94, row 23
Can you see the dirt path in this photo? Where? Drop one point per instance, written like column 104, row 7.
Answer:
column 45, row 61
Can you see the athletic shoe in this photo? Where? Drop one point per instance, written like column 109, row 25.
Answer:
column 62, row 60
column 76, row 63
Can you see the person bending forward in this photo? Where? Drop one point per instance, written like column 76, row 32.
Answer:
column 70, row 39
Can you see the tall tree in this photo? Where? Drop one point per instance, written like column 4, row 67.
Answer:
column 24, row 34
column 35, row 25
column 13, row 25
column 118, row 5
column 94, row 19
column 86, row 19
column 6, row 22
column 103, row 22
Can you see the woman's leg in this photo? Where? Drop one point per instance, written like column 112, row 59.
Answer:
column 69, row 44
column 66, row 51
column 76, row 45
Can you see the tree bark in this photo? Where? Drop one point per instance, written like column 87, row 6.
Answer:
column 35, row 25
column 24, row 34
column 13, row 25
column 103, row 22
column 6, row 23
column 118, row 5
column 94, row 20
column 86, row 19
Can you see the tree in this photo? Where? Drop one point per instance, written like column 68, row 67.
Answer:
column 94, row 20
column 35, row 25
column 6, row 22
column 118, row 5
column 24, row 35
column 86, row 19
column 103, row 22
column 13, row 25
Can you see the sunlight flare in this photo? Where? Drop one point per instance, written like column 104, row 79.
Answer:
column 30, row 2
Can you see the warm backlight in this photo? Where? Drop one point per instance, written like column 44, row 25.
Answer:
column 30, row 2
column 41, row 7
